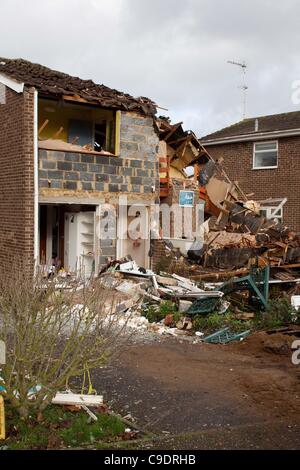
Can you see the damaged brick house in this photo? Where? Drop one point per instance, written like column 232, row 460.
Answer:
column 179, row 151
column 262, row 154
column 68, row 147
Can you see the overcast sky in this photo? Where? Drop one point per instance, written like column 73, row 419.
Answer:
column 172, row 51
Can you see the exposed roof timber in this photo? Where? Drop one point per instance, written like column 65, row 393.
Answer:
column 178, row 141
column 12, row 84
column 78, row 99
column 173, row 129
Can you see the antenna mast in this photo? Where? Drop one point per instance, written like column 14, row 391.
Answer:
column 244, row 87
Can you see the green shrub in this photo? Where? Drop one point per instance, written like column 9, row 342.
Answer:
column 211, row 322
column 279, row 313
column 167, row 307
column 156, row 313
column 216, row 321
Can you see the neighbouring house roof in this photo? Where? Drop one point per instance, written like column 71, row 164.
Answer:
column 251, row 128
column 52, row 83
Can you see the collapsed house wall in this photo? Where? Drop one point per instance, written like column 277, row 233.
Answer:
column 135, row 171
column 266, row 183
column 17, row 179
column 160, row 251
column 91, row 178
column 188, row 215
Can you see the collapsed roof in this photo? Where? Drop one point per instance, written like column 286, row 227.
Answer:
column 51, row 83
column 186, row 149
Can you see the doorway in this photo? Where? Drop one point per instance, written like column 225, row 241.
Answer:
column 134, row 234
column 67, row 237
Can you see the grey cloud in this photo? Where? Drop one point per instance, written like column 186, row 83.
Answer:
column 173, row 51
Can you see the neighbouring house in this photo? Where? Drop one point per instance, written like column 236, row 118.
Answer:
column 69, row 148
column 263, row 155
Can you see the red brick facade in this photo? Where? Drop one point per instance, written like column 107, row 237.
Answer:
column 17, row 179
column 281, row 182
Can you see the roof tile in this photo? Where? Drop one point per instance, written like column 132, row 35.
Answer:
column 271, row 123
column 54, row 83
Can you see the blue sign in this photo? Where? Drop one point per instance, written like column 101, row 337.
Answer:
column 186, row 198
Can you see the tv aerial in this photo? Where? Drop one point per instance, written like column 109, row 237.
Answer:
column 244, row 87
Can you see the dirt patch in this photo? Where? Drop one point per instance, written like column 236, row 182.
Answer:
column 260, row 343
column 179, row 387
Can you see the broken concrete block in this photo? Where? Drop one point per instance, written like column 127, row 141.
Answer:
column 169, row 320
column 166, row 281
column 184, row 324
column 184, row 305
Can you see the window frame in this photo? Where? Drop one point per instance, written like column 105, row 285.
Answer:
column 268, row 209
column 116, row 131
column 264, row 151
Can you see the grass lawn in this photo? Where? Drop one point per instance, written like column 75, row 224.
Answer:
column 59, row 428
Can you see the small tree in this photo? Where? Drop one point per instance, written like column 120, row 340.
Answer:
column 53, row 334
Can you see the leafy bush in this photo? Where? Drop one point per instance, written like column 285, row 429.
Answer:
column 167, row 307
column 279, row 313
column 215, row 321
column 156, row 313
column 151, row 312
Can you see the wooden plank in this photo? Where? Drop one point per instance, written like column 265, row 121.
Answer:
column 77, row 399
column 219, row 275
column 57, row 134
column 78, row 99
column 174, row 129
column 287, row 266
column 45, row 123
column 118, row 133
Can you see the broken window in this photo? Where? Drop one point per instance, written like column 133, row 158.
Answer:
column 81, row 132
column 265, row 155
column 97, row 135
column 272, row 212
column 100, row 136
column 94, row 128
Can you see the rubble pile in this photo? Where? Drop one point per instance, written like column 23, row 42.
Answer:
column 139, row 290
column 238, row 236
column 246, row 235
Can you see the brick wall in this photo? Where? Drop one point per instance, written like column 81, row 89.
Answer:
column 16, row 180
column 277, row 183
column 159, row 254
column 135, row 171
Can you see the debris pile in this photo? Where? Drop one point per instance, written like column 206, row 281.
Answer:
column 237, row 235
column 245, row 236
column 142, row 293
